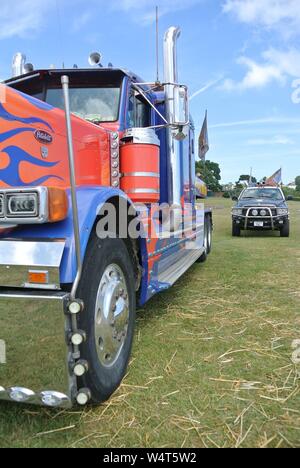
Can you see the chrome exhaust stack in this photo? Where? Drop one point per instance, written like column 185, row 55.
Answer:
column 171, row 78
column 18, row 64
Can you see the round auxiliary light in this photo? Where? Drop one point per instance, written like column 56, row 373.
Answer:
column 254, row 212
column 115, row 173
column 53, row 399
column 115, row 154
column 20, row 395
column 263, row 212
column 115, row 164
column 80, row 368
column 116, row 184
column 75, row 307
column 114, row 145
column 115, row 135
column 83, row 396
column 78, row 338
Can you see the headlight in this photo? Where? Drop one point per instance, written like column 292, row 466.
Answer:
column 25, row 204
column 237, row 211
column 282, row 211
column 36, row 205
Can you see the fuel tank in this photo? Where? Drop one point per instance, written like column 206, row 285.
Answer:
column 33, row 145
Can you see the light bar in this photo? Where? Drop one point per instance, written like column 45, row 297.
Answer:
column 34, row 205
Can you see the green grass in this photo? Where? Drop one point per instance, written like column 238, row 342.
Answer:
column 211, row 363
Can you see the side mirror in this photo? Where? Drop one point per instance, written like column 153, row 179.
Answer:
column 234, row 198
column 181, row 116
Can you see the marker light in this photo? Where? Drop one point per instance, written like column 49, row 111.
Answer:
column 80, row 368
column 20, row 394
column 75, row 307
column 83, row 396
column 78, row 338
column 38, row 277
column 53, row 399
column 58, row 204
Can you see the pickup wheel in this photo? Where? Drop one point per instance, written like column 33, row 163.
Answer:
column 285, row 230
column 107, row 289
column 236, row 230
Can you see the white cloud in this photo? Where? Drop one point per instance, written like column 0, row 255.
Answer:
column 282, row 15
column 262, row 121
column 22, row 17
column 276, row 66
column 144, row 10
column 206, row 87
column 276, row 140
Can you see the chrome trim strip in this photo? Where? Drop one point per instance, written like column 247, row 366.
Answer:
column 140, row 174
column 142, row 190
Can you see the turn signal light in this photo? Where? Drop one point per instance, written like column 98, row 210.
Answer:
column 58, row 204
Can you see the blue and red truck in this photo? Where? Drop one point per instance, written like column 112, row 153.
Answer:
column 99, row 210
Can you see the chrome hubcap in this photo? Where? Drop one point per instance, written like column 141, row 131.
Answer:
column 111, row 315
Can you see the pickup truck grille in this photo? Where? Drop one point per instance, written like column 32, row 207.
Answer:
column 273, row 210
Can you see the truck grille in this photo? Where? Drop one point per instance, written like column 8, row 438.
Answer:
column 259, row 210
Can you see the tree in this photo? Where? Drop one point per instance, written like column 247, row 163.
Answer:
column 210, row 174
column 297, row 182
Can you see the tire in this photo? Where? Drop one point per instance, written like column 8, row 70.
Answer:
column 209, row 233
column 107, row 272
column 204, row 256
column 236, row 230
column 285, row 230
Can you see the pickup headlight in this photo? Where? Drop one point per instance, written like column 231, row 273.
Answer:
column 34, row 205
column 237, row 212
column 282, row 211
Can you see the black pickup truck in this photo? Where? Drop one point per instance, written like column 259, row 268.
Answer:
column 261, row 208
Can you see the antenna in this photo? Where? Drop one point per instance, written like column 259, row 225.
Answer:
column 157, row 47
column 59, row 25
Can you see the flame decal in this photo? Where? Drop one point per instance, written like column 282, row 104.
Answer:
column 11, row 133
column 5, row 115
column 11, row 174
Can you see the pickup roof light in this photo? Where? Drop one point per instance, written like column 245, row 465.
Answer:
column 34, row 205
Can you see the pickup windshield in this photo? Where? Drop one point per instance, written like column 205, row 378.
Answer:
column 271, row 194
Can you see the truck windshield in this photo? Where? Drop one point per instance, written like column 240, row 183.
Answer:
column 273, row 194
column 99, row 104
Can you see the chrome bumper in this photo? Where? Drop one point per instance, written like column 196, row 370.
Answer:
column 18, row 258
column 35, row 356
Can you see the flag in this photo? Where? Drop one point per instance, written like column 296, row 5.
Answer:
column 203, row 140
column 275, row 179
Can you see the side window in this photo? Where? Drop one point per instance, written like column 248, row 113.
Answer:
column 138, row 112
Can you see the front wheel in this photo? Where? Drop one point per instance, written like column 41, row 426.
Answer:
column 236, row 230
column 107, row 289
column 285, row 230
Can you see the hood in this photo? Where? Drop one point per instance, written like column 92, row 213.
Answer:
column 261, row 202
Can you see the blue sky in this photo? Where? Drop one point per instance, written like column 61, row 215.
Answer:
column 240, row 59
